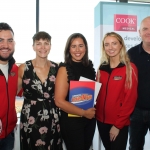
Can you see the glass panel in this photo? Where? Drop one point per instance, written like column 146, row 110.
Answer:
column 62, row 18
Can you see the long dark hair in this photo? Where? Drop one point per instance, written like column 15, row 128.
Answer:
column 67, row 55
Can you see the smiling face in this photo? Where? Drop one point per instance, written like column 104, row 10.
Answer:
column 145, row 30
column 7, row 45
column 77, row 49
column 112, row 47
column 42, row 48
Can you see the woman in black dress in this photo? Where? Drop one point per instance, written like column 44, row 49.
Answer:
column 77, row 132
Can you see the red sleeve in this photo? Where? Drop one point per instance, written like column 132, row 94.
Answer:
column 129, row 101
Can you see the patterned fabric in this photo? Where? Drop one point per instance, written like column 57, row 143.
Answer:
column 40, row 129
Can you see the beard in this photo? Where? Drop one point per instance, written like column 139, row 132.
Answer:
column 6, row 58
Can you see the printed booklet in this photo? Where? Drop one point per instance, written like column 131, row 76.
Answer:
column 83, row 93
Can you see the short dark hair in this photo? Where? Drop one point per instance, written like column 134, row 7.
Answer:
column 5, row 26
column 67, row 55
column 41, row 35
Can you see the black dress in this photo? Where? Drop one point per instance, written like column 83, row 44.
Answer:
column 77, row 132
column 39, row 124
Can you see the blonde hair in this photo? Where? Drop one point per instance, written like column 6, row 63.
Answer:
column 124, row 58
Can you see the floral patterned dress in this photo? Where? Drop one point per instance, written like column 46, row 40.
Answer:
column 39, row 124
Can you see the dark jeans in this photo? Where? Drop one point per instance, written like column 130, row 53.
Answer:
column 119, row 143
column 7, row 143
column 140, row 123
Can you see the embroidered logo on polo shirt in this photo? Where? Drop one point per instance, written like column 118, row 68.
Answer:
column 117, row 77
column 12, row 74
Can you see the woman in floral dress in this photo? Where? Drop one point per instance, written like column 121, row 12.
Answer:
column 39, row 121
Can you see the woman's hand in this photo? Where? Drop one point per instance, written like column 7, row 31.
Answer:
column 89, row 113
column 113, row 133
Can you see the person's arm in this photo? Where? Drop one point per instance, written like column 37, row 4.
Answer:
column 129, row 102
column 20, row 75
column 127, row 108
column 61, row 91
